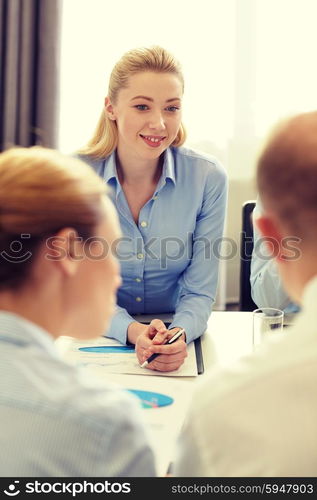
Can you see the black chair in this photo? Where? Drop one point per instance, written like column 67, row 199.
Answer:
column 246, row 246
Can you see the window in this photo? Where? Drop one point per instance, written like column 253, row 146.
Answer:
column 96, row 33
column 247, row 63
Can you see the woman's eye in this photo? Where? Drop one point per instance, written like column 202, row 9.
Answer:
column 172, row 109
column 141, row 107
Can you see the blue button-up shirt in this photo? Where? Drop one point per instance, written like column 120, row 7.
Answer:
column 169, row 259
column 267, row 289
column 56, row 422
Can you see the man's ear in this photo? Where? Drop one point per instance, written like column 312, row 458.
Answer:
column 109, row 109
column 66, row 250
column 271, row 234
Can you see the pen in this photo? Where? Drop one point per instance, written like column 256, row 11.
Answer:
column 170, row 341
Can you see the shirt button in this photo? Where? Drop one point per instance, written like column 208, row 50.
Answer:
column 138, row 299
column 140, row 256
column 143, row 223
column 138, row 280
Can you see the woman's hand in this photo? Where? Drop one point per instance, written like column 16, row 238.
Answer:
column 150, row 341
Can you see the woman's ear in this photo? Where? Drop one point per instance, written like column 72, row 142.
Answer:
column 109, row 109
column 66, row 249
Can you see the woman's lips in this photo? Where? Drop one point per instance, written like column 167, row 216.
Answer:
column 153, row 141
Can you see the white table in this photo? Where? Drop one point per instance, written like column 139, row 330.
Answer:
column 228, row 337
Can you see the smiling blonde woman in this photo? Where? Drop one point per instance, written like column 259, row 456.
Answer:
column 171, row 203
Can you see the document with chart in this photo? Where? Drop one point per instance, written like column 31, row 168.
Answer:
column 114, row 357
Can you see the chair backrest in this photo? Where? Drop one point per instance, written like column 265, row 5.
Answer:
column 246, row 246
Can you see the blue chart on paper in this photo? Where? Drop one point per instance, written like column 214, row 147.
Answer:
column 152, row 399
column 108, row 349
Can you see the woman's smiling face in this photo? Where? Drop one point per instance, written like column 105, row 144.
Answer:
column 147, row 114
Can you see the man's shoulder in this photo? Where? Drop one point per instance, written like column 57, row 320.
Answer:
column 256, row 377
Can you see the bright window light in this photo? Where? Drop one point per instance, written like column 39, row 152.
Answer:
column 96, row 33
column 247, row 63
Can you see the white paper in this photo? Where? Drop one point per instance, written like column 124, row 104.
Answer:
column 164, row 423
column 119, row 362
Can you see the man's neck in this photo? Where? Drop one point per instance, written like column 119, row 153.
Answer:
column 300, row 273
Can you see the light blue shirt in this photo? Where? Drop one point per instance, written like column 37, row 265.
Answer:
column 169, row 260
column 266, row 285
column 57, row 423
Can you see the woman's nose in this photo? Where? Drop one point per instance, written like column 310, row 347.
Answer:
column 157, row 121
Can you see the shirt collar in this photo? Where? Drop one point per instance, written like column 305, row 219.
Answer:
column 110, row 171
column 169, row 166
column 17, row 330
column 168, row 172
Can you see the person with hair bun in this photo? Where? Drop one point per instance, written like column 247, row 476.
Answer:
column 171, row 203
column 58, row 276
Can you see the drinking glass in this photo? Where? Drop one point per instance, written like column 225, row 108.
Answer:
column 267, row 321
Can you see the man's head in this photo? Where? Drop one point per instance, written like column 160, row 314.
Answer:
column 287, row 184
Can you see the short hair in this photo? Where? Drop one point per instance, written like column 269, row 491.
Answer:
column 287, row 175
column 41, row 192
column 153, row 59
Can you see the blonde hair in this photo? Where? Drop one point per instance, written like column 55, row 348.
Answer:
column 41, row 192
column 155, row 59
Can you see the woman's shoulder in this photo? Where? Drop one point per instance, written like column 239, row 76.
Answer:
column 205, row 163
column 91, row 160
column 98, row 164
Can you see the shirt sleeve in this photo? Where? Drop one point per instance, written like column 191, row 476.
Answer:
column 198, row 283
column 119, row 325
column 266, row 285
column 127, row 448
column 188, row 462
column 190, row 457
